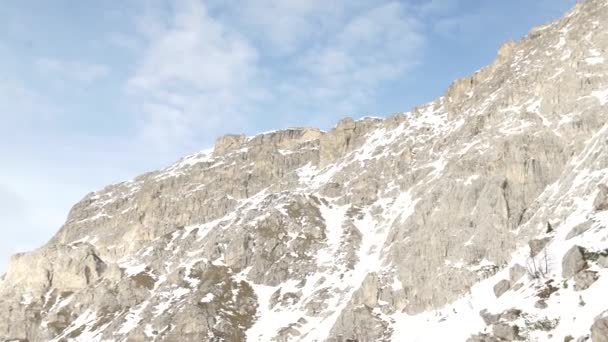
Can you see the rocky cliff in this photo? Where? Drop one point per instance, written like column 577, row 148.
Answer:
column 480, row 216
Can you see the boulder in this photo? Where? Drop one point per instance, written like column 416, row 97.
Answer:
column 599, row 329
column 601, row 199
column 489, row 318
column 537, row 245
column 583, row 280
column 482, row 338
column 579, row 229
column 510, row 315
column 506, row 331
column 573, row 262
column 602, row 262
column 501, row 287
column 515, row 273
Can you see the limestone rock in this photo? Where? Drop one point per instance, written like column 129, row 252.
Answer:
column 537, row 245
column 584, row 279
column 506, row 332
column 516, row 273
column 351, row 233
column 579, row 229
column 599, row 329
column 573, row 262
column 601, row 200
column 501, row 287
column 483, row 338
column 489, row 318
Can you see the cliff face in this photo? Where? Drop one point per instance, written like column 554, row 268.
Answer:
column 396, row 229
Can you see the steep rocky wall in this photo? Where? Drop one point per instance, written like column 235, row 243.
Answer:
column 307, row 235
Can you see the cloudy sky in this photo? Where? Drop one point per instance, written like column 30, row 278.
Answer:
column 93, row 92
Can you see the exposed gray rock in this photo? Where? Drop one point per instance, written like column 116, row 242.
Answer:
column 482, row 338
column 501, row 287
column 601, row 200
column 537, row 245
column 603, row 261
column 541, row 304
column 579, row 229
column 506, row 332
column 584, row 279
column 599, row 329
column 573, row 262
column 510, row 315
column 516, row 273
column 489, row 318
column 339, row 233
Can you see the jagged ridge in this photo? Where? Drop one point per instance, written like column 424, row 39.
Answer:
column 377, row 230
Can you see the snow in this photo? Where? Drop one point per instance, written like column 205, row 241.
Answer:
column 86, row 319
column 332, row 277
column 334, row 218
column 26, row 299
column 133, row 318
column 594, row 60
column 471, row 179
column 208, row 298
column 132, row 267
column 601, row 95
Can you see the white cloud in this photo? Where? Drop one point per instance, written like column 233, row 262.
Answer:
column 194, row 71
column 378, row 45
column 72, row 70
column 284, row 27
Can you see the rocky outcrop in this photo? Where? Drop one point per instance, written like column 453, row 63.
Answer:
column 573, row 262
column 599, row 330
column 506, row 332
column 375, row 230
column 601, row 199
column 584, row 279
column 501, row 287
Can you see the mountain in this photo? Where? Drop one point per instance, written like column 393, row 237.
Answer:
column 480, row 216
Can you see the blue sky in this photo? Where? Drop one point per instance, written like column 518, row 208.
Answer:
column 93, row 92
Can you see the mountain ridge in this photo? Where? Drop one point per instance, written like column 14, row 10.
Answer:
column 376, row 230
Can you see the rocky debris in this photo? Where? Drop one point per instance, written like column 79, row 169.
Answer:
column 357, row 229
column 483, row 338
column 599, row 329
column 506, row 332
column 584, row 279
column 601, row 200
column 541, row 304
column 546, row 290
column 573, row 262
column 501, row 287
column 489, row 318
column 579, row 229
column 511, row 315
column 516, row 273
column 603, row 261
column 537, row 245
column 229, row 143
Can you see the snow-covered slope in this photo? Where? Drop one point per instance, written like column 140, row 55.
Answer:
column 481, row 215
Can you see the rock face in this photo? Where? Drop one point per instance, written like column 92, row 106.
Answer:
column 601, row 200
column 506, row 332
column 501, row 287
column 390, row 229
column 599, row 330
column 573, row 262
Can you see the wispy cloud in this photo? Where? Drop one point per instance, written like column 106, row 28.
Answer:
column 193, row 72
column 376, row 46
column 208, row 61
column 72, row 70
